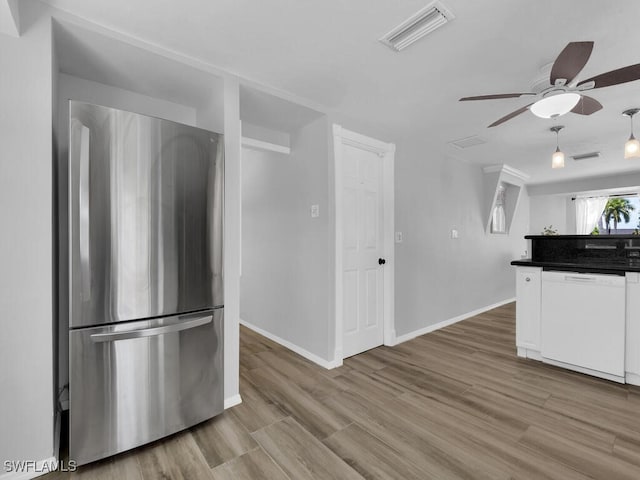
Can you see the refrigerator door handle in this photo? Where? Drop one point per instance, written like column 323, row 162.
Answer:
column 83, row 213
column 149, row 332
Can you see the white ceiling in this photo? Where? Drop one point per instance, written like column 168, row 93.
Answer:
column 327, row 52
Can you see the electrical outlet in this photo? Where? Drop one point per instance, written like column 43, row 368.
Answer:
column 315, row 211
column 398, row 237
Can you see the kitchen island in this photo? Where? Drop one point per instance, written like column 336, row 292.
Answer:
column 578, row 304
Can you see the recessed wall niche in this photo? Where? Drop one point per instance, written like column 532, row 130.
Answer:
column 503, row 190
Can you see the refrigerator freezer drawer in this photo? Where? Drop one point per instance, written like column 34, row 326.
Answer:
column 136, row 382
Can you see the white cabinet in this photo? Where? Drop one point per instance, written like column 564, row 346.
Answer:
column 632, row 358
column 528, row 301
column 529, row 311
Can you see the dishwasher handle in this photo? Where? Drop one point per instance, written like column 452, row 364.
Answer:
column 149, row 332
column 580, row 278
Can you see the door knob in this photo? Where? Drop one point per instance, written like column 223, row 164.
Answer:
column 381, row 261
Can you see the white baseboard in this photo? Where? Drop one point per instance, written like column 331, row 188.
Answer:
column 295, row 348
column 445, row 323
column 34, row 471
column 232, row 401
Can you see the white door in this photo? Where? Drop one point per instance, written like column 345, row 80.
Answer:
column 363, row 250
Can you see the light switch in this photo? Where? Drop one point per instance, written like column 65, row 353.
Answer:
column 398, row 237
column 454, row 233
column 315, row 211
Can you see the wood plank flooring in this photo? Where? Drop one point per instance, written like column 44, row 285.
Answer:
column 453, row 404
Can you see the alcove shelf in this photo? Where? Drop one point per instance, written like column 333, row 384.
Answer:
column 513, row 181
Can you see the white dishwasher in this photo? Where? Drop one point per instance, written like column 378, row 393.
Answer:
column 583, row 322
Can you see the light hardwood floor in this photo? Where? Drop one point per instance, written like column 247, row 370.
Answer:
column 452, row 404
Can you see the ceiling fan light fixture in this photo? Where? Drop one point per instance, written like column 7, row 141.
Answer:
column 555, row 105
column 632, row 146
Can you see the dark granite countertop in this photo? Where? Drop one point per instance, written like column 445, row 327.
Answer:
column 584, row 237
column 612, row 254
column 606, row 268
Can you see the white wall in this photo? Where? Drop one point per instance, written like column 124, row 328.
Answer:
column 590, row 184
column 439, row 278
column 287, row 270
column 26, row 283
column 268, row 135
column 210, row 113
column 553, row 210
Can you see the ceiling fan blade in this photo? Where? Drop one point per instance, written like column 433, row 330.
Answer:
column 615, row 77
column 495, row 97
column 510, row 116
column 570, row 61
column 587, row 106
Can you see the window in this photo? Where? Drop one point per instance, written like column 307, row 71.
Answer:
column 611, row 212
column 620, row 215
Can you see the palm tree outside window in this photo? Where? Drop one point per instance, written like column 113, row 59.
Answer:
column 619, row 210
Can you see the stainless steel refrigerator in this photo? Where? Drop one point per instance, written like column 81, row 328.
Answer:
column 145, row 279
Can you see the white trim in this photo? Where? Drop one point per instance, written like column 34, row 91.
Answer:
column 294, row 348
column 240, row 162
column 362, row 142
column 514, row 172
column 232, row 401
column 254, row 144
column 29, row 474
column 445, row 323
column 386, row 151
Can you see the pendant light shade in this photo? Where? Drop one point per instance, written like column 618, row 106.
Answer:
column 632, row 146
column 557, row 159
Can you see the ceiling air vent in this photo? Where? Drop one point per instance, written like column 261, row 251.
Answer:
column 586, row 156
column 417, row 26
column 468, row 142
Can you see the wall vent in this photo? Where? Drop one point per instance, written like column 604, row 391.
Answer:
column 586, row 156
column 467, row 142
column 417, row 26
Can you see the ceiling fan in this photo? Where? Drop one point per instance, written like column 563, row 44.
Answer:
column 564, row 94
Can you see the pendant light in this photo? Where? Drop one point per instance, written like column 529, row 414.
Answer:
column 557, row 159
column 632, row 147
